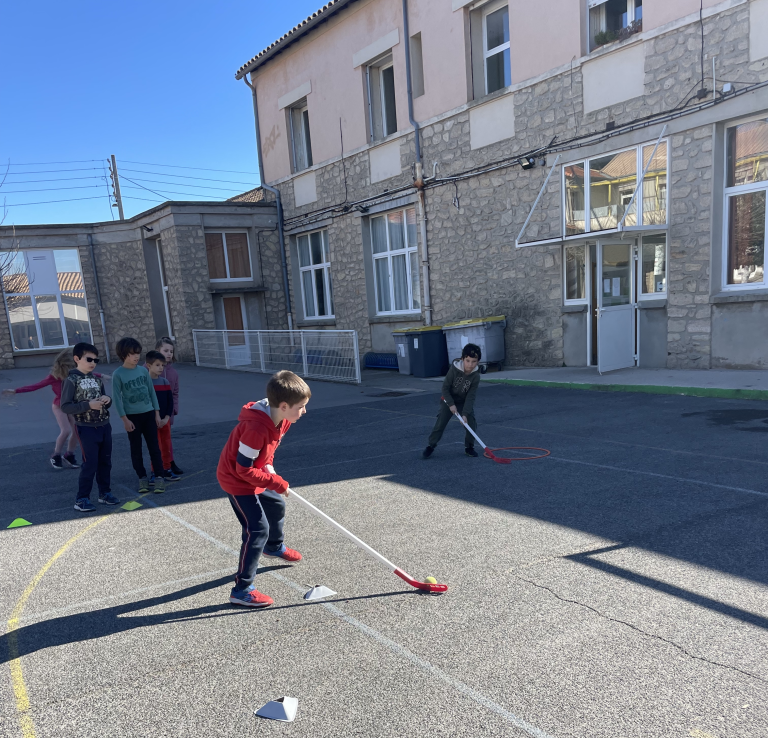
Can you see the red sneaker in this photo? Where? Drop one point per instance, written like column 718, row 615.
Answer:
column 286, row 554
column 249, row 597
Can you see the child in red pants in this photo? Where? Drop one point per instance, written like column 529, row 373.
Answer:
column 155, row 363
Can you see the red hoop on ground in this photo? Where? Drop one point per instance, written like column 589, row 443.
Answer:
column 490, row 453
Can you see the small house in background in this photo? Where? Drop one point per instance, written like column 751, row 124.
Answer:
column 165, row 272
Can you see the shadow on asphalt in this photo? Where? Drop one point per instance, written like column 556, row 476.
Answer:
column 682, row 477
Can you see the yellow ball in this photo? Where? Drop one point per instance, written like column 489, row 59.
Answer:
column 431, row 580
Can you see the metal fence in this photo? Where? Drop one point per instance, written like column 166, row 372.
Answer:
column 330, row 355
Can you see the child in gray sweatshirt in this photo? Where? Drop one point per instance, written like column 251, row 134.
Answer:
column 459, row 391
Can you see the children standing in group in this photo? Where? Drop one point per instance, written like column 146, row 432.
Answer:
column 62, row 365
column 155, row 363
column 459, row 391
column 255, row 491
column 83, row 398
column 167, row 348
column 136, row 404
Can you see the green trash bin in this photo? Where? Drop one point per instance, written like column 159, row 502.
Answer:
column 427, row 351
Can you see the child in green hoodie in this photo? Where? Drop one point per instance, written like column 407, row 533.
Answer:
column 459, row 391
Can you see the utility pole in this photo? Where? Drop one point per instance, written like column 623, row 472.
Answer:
column 116, row 187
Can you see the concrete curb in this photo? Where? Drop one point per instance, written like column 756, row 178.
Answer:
column 651, row 389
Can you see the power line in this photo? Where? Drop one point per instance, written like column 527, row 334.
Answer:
column 52, row 189
column 61, row 179
column 186, row 184
column 172, row 192
column 47, row 202
column 46, row 163
column 176, row 166
column 54, row 171
column 188, row 176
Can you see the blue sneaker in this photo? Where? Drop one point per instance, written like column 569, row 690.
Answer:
column 249, row 597
column 171, row 476
column 84, row 505
column 108, row 499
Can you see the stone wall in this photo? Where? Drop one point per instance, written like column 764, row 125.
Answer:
column 124, row 292
column 472, row 224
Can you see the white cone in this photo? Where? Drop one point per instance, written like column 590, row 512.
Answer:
column 283, row 709
column 318, row 592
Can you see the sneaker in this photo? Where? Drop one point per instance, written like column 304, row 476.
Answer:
column 159, row 485
column 143, row 485
column 249, row 597
column 56, row 462
column 428, row 451
column 175, row 469
column 284, row 553
column 170, row 476
column 108, row 499
column 152, row 479
column 71, row 461
column 470, row 451
column 84, row 505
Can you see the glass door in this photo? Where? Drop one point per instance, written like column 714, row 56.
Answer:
column 615, row 307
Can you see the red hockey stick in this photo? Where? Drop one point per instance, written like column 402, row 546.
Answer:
column 425, row 586
column 488, row 452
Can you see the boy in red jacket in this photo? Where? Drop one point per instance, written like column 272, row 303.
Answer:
column 246, row 474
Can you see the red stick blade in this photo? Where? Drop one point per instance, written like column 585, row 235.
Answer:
column 498, row 459
column 424, row 586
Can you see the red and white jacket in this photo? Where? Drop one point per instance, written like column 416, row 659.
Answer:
column 245, row 464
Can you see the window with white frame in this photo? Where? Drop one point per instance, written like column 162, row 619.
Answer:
column 45, row 299
column 496, row 59
column 382, row 109
column 315, row 271
column 611, row 20
column 597, row 192
column 653, row 265
column 395, row 262
column 745, row 200
column 228, row 256
column 301, row 142
column 575, row 277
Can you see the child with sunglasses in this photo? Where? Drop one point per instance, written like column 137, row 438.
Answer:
column 82, row 396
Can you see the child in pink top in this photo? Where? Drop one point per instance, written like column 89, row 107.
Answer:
column 166, row 347
column 67, row 435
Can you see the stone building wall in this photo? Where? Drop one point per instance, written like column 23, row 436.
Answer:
column 475, row 268
column 124, row 292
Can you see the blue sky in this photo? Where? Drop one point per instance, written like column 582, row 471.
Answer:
column 145, row 81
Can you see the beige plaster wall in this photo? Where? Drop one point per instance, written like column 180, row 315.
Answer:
column 658, row 12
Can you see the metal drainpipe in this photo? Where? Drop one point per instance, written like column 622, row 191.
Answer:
column 419, row 179
column 98, row 299
column 276, row 192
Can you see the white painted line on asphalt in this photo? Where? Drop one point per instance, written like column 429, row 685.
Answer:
column 393, row 646
column 661, row 476
column 130, row 593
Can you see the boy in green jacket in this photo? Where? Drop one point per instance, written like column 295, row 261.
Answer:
column 136, row 403
column 459, row 391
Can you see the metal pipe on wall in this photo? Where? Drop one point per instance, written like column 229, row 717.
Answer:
column 98, row 298
column 419, row 178
column 276, row 192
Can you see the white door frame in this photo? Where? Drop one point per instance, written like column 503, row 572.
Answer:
column 602, row 312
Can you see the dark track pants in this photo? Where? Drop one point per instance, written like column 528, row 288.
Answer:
column 96, row 445
column 262, row 517
column 146, row 427
column 443, row 418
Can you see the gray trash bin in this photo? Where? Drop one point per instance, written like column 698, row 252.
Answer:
column 487, row 333
column 401, row 349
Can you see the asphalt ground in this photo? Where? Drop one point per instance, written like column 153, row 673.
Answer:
column 615, row 589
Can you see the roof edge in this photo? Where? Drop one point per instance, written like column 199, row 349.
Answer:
column 297, row 32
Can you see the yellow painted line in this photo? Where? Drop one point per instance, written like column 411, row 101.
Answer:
column 17, row 675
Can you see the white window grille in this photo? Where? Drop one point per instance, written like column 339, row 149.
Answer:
column 45, row 299
column 315, row 270
column 395, row 262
